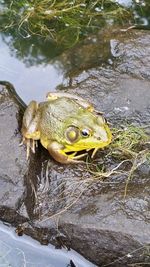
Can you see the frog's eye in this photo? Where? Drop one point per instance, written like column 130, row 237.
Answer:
column 72, row 134
column 85, row 133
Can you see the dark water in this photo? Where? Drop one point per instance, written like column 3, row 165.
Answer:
column 35, row 66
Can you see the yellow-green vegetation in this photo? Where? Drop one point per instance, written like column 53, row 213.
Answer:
column 60, row 20
column 129, row 141
column 130, row 146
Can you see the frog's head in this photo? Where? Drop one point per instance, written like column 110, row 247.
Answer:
column 69, row 126
column 88, row 131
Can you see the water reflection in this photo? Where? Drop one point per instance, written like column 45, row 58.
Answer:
column 141, row 11
column 34, row 68
column 28, row 70
column 36, row 65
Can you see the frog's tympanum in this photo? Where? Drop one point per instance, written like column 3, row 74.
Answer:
column 64, row 124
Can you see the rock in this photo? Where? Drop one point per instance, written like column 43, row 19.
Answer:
column 131, row 54
column 13, row 163
column 65, row 205
column 120, row 88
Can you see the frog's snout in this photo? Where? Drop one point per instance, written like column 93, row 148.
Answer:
column 101, row 135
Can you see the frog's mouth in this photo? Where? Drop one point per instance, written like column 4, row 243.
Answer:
column 81, row 153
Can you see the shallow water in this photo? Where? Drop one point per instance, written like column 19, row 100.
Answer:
column 34, row 66
column 23, row 251
column 30, row 81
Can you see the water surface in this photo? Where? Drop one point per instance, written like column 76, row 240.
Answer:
column 35, row 65
column 32, row 80
column 22, row 251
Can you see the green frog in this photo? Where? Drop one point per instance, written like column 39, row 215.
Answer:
column 65, row 124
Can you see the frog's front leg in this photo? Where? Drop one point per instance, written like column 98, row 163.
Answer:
column 29, row 129
column 56, row 150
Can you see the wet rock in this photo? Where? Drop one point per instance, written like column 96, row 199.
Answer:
column 132, row 57
column 120, row 90
column 92, row 216
column 66, row 205
column 13, row 164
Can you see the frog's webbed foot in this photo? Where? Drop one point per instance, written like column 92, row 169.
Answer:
column 72, row 158
column 58, row 152
column 31, row 144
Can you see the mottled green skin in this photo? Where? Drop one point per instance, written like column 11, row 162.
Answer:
column 51, row 120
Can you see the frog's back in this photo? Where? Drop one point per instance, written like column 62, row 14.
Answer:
column 55, row 113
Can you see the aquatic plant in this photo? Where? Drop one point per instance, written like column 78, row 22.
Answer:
column 130, row 147
column 63, row 21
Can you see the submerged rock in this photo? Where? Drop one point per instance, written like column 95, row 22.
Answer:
column 66, row 205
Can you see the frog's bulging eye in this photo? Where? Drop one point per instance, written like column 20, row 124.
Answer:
column 72, row 134
column 85, row 133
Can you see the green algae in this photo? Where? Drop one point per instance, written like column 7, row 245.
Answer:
column 64, row 22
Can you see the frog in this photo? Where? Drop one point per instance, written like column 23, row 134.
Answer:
column 65, row 124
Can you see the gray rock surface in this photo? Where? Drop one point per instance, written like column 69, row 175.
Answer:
column 13, row 165
column 65, row 205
